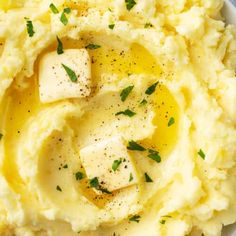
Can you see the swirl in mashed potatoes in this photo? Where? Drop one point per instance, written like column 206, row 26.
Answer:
column 117, row 118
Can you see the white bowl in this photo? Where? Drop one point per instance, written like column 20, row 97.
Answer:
column 229, row 12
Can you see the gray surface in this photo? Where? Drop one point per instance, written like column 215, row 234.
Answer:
column 234, row 2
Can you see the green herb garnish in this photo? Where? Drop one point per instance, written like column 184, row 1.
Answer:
column 1, row 135
column 63, row 18
column 148, row 25
column 65, row 166
column 67, row 10
column 104, row 190
column 127, row 112
column 154, row 155
column 30, row 28
column 130, row 4
column 116, row 164
column 70, row 73
column 131, row 177
column 135, row 147
column 59, row 47
column 148, row 178
column 59, row 188
column 171, row 121
column 92, row 46
column 150, row 90
column 79, row 175
column 201, row 154
column 53, row 8
column 94, row 182
column 143, row 102
column 162, row 222
column 111, row 26
column 135, row 218
column 125, row 93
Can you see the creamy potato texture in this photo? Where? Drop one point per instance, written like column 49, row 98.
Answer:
column 117, row 118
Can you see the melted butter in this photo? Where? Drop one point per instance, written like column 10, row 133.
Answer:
column 166, row 107
column 20, row 105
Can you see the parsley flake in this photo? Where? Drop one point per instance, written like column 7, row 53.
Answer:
column 148, row 25
column 150, row 90
column 171, row 121
column 130, row 4
column 59, row 47
column 67, row 10
column 59, row 188
column 70, row 73
column 131, row 177
column 1, row 135
column 154, row 155
column 112, row 26
column 148, row 178
column 30, row 28
column 162, row 222
column 201, row 154
column 143, row 102
column 135, row 218
column 65, row 166
column 125, row 93
column 53, row 8
column 92, row 46
column 135, row 147
column 116, row 164
column 94, row 182
column 127, row 112
column 79, row 175
column 63, row 18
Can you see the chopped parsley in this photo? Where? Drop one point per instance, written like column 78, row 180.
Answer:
column 148, row 178
column 1, row 135
column 30, row 28
column 201, row 154
column 116, row 164
column 70, row 73
column 135, row 218
column 63, row 18
column 104, row 190
column 79, row 175
column 131, row 177
column 58, row 188
column 127, row 112
column 65, row 166
column 143, row 102
column 53, row 8
column 162, row 222
column 150, row 90
column 67, row 10
column 148, row 25
column 92, row 46
column 94, row 182
column 59, row 47
column 154, row 155
column 171, row 121
column 135, row 147
column 130, row 4
column 125, row 93
column 112, row 26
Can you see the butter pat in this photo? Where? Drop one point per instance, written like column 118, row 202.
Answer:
column 98, row 160
column 54, row 82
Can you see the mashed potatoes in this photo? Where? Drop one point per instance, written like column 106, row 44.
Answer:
column 117, row 118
